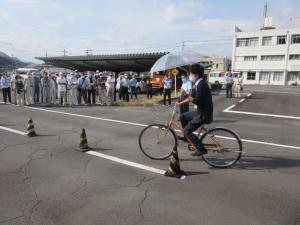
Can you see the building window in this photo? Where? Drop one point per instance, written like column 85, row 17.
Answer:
column 295, row 57
column 272, row 57
column 250, row 58
column 247, row 42
column 264, row 76
column 281, row 40
column 239, row 58
column 278, row 76
column 296, row 39
column 267, row 41
column 251, row 75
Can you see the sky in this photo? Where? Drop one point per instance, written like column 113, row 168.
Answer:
column 31, row 28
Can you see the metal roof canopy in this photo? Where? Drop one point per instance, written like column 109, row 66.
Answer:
column 140, row 62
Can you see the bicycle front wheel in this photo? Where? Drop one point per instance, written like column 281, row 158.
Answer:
column 224, row 147
column 157, row 141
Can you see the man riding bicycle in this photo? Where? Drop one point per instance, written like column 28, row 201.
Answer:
column 202, row 98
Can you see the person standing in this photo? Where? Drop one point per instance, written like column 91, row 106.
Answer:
column 28, row 85
column 53, row 87
column 19, row 84
column 46, row 92
column 149, row 89
column 37, row 88
column 81, row 89
column 186, row 89
column 71, row 88
column 125, row 86
column 5, row 84
column 167, row 88
column 238, row 86
column 229, row 83
column 62, row 89
column 110, row 84
column 102, row 89
column 133, row 83
column 91, row 89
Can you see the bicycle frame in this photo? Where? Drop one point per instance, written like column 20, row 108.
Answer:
column 173, row 123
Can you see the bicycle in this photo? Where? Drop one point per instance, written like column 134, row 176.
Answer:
column 224, row 146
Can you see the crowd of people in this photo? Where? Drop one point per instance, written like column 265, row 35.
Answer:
column 74, row 88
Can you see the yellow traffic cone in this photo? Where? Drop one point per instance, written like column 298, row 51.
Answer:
column 174, row 167
column 83, row 145
column 30, row 128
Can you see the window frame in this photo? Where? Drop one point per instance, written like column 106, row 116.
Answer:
column 279, row 38
column 251, row 75
column 295, row 37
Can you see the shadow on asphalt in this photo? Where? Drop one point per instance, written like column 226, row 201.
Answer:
column 266, row 162
column 193, row 173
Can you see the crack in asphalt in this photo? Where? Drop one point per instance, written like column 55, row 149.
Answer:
column 141, row 204
column 32, row 210
column 80, row 188
column 12, row 219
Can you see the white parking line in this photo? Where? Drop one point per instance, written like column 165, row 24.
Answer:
column 13, row 130
column 249, row 95
column 230, row 107
column 261, row 114
column 242, row 100
column 126, row 162
column 144, row 125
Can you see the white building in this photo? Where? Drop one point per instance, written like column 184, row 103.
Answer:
column 268, row 56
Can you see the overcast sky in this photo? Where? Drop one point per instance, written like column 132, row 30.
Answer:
column 30, row 28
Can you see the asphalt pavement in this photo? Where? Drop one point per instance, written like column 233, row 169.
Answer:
column 45, row 180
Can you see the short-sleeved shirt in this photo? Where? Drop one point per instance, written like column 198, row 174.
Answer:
column 167, row 83
column 187, row 86
column 133, row 82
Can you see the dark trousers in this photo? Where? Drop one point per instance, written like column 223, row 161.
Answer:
column 81, row 94
column 91, row 93
column 36, row 94
column 229, row 90
column 184, row 107
column 133, row 92
column 6, row 94
column 191, row 121
column 167, row 92
column 125, row 94
column 149, row 94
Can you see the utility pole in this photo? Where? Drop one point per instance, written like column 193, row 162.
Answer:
column 89, row 51
column 64, row 51
column 182, row 46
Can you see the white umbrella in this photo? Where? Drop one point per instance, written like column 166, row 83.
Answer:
column 177, row 59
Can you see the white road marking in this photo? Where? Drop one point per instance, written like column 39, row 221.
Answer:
column 90, row 117
column 249, row 95
column 230, row 107
column 144, row 125
column 242, row 100
column 279, row 92
column 13, row 130
column 261, row 114
column 126, row 162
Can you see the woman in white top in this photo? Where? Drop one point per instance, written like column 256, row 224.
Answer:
column 28, row 86
column 238, row 86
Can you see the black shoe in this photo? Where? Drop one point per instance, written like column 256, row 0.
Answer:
column 182, row 139
column 199, row 152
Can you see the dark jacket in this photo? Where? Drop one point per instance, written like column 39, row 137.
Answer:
column 203, row 99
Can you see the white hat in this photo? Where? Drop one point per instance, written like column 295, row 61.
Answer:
column 60, row 73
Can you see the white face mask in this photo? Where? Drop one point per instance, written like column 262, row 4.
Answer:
column 192, row 77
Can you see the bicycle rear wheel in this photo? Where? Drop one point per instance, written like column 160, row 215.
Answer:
column 157, row 141
column 224, row 147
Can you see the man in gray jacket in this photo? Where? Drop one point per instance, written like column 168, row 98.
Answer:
column 46, row 89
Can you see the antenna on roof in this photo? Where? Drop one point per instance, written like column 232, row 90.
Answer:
column 266, row 8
